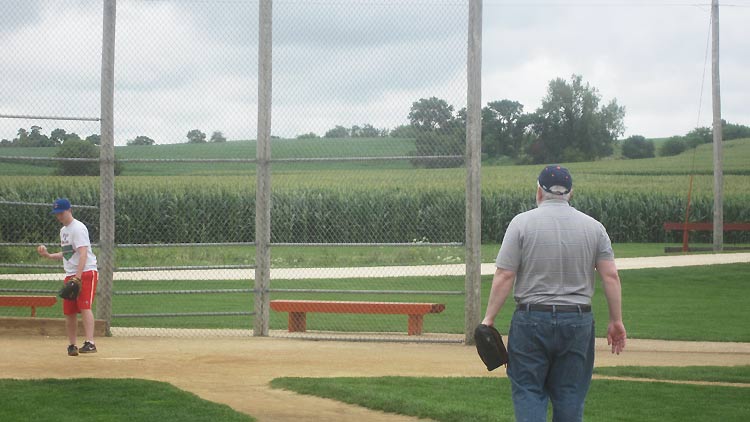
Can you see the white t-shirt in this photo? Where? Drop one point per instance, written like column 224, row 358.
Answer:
column 72, row 237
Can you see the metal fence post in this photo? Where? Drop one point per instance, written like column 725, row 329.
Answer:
column 263, row 177
column 107, row 169
column 473, row 282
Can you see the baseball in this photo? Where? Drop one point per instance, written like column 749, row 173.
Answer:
column 41, row 249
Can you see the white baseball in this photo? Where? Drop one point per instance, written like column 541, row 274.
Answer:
column 42, row 250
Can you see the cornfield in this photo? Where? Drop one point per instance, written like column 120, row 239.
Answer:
column 338, row 208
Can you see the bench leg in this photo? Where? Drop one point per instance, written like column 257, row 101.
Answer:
column 33, row 311
column 297, row 322
column 415, row 325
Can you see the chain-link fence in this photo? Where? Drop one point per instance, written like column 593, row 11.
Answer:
column 365, row 243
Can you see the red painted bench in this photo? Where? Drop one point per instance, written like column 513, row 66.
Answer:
column 701, row 226
column 30, row 301
column 298, row 310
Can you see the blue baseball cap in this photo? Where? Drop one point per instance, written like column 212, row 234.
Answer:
column 60, row 205
column 555, row 175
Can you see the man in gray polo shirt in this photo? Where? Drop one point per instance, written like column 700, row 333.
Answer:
column 548, row 258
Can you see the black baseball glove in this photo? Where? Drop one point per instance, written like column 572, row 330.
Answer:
column 70, row 289
column 490, row 346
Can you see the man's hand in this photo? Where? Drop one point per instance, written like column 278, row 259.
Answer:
column 42, row 250
column 616, row 336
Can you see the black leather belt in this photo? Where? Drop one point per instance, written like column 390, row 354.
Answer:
column 553, row 308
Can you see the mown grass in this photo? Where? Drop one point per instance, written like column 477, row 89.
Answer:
column 106, row 400
column 734, row 374
column 688, row 303
column 299, row 257
column 488, row 399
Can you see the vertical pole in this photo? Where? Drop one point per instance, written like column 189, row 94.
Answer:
column 717, row 132
column 473, row 281
column 106, row 257
column 263, row 177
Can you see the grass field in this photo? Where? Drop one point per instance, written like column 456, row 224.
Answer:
column 667, row 303
column 109, row 400
column 488, row 399
column 302, row 257
column 733, row 374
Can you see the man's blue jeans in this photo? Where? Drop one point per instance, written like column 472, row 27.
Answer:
column 551, row 356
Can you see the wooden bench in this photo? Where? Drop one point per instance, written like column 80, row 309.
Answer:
column 30, row 301
column 298, row 310
column 702, row 226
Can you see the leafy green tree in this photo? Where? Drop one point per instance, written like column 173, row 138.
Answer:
column 337, row 132
column 77, row 149
column 195, row 136
column 22, row 140
column 672, row 146
column 571, row 125
column 94, row 139
column 309, row 135
column 431, row 114
column 698, row 136
column 637, row 146
column 438, row 132
column 141, row 140
column 436, row 143
column 370, row 131
column 403, row 131
column 217, row 136
column 733, row 131
column 57, row 136
column 503, row 128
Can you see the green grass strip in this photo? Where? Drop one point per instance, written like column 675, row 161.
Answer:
column 735, row 374
column 489, row 399
column 127, row 400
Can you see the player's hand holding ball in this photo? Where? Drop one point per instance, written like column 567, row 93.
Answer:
column 42, row 250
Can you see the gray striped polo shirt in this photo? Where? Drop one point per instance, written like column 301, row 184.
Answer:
column 553, row 249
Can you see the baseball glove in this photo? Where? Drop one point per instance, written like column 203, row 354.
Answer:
column 70, row 289
column 490, row 347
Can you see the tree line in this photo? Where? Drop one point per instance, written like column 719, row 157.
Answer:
column 34, row 138
column 571, row 124
column 639, row 147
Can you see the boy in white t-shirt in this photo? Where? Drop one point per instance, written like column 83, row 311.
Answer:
column 78, row 261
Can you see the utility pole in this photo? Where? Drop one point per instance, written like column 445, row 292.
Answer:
column 718, row 149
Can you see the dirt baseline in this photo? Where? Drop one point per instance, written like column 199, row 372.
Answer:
column 236, row 371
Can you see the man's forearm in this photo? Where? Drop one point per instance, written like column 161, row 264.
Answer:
column 82, row 256
column 612, row 290
column 502, row 285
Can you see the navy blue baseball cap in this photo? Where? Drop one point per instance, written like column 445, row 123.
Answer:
column 555, row 175
column 60, row 205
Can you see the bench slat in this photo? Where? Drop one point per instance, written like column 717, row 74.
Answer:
column 30, row 301
column 348, row 307
column 298, row 310
column 27, row 300
column 706, row 226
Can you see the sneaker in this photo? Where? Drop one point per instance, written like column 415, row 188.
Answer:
column 72, row 350
column 88, row 347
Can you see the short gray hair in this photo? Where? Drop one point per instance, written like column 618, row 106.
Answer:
column 550, row 195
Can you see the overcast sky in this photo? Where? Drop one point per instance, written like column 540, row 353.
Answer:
column 183, row 65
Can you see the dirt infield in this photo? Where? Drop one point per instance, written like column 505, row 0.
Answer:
column 236, row 371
